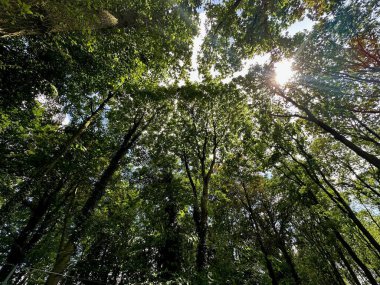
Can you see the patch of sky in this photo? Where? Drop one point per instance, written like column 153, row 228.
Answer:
column 66, row 121
column 357, row 206
column 300, row 26
column 303, row 25
column 197, row 44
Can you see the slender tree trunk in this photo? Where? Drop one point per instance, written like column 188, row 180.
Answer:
column 63, row 258
column 170, row 252
column 27, row 236
column 358, row 261
column 83, row 127
column 352, row 253
column 283, row 248
column 200, row 217
column 341, row 239
column 268, row 262
column 349, row 212
column 42, row 173
column 374, row 191
column 348, row 266
column 256, row 228
column 202, row 234
column 338, row 199
column 289, row 261
column 332, row 270
column 372, row 159
column 61, row 262
column 353, row 217
column 337, row 274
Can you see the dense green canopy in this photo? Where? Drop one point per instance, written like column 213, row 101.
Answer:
column 118, row 166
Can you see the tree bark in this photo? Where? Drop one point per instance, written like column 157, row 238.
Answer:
column 337, row 234
column 289, row 261
column 338, row 199
column 372, row 159
column 200, row 211
column 42, row 173
column 28, row 235
column 348, row 266
column 202, row 234
column 256, row 228
column 280, row 240
column 358, row 261
column 170, row 253
column 63, row 257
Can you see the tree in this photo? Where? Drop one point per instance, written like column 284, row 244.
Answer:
column 117, row 168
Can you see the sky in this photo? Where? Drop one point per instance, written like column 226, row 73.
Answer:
column 305, row 24
column 197, row 43
column 299, row 26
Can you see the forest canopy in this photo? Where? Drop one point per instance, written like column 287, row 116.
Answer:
column 190, row 142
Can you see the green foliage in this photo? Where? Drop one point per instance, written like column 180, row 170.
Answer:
column 116, row 168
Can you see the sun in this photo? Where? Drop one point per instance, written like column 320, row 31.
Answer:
column 283, row 71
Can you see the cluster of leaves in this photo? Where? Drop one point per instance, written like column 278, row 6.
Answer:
column 111, row 176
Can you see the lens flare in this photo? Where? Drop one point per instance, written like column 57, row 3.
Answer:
column 283, row 71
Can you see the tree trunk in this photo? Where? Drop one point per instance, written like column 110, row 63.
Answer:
column 348, row 266
column 336, row 273
column 268, row 262
column 280, row 241
column 170, row 252
column 202, row 250
column 372, row 159
column 351, row 252
column 41, row 174
column 25, row 239
column 353, row 255
column 63, row 258
column 349, row 212
column 202, row 234
column 256, row 228
column 289, row 261
column 338, row 200
column 356, row 221
column 61, row 262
